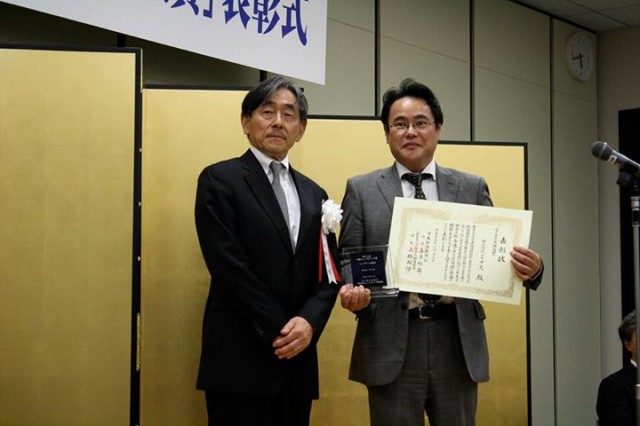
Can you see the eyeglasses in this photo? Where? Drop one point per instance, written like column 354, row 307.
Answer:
column 420, row 125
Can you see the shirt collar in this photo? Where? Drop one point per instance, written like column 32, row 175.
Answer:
column 265, row 160
column 430, row 168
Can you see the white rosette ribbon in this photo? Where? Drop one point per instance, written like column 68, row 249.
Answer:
column 331, row 217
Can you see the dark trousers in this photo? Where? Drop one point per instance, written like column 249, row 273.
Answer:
column 284, row 409
column 433, row 381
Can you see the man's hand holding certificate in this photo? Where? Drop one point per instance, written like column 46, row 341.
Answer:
column 457, row 250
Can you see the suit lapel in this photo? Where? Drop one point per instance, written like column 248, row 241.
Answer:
column 389, row 185
column 259, row 185
column 447, row 185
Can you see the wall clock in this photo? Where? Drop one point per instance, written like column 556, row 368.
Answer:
column 580, row 56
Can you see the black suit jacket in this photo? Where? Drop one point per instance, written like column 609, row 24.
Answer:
column 258, row 282
column 616, row 404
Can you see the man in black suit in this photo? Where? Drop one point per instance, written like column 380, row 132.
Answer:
column 616, row 404
column 258, row 222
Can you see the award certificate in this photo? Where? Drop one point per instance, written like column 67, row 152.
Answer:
column 458, row 250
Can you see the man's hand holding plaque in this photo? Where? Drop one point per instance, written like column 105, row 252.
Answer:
column 366, row 267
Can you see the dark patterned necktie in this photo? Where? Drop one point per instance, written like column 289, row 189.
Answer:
column 416, row 180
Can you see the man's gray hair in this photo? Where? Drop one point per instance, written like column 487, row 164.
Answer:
column 627, row 327
column 262, row 92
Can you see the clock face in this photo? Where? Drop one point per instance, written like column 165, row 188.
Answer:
column 580, row 58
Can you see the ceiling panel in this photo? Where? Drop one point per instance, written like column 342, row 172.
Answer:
column 595, row 15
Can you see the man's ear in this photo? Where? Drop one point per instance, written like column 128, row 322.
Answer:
column 303, row 127
column 628, row 345
column 244, row 120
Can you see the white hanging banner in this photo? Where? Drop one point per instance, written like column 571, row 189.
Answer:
column 282, row 36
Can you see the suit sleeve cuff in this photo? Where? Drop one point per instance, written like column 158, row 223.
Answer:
column 534, row 282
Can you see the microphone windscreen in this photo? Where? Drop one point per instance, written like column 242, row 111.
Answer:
column 601, row 150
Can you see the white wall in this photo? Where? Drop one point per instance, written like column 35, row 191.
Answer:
column 576, row 249
column 513, row 103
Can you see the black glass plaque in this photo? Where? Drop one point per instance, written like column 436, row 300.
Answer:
column 367, row 266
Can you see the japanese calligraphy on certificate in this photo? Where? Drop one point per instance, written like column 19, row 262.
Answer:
column 457, row 250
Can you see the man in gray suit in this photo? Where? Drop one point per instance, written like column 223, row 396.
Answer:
column 415, row 353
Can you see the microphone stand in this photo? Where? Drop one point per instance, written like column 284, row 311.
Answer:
column 632, row 183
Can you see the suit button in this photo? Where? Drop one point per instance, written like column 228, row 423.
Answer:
column 258, row 329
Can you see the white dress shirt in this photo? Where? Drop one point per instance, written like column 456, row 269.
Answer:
column 429, row 186
column 289, row 188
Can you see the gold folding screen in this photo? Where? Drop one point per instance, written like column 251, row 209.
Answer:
column 67, row 122
column 186, row 130
column 67, row 128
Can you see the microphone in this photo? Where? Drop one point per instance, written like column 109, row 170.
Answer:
column 604, row 152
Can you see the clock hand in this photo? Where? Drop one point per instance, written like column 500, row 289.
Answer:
column 579, row 57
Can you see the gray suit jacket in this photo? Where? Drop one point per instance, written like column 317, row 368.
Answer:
column 381, row 336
